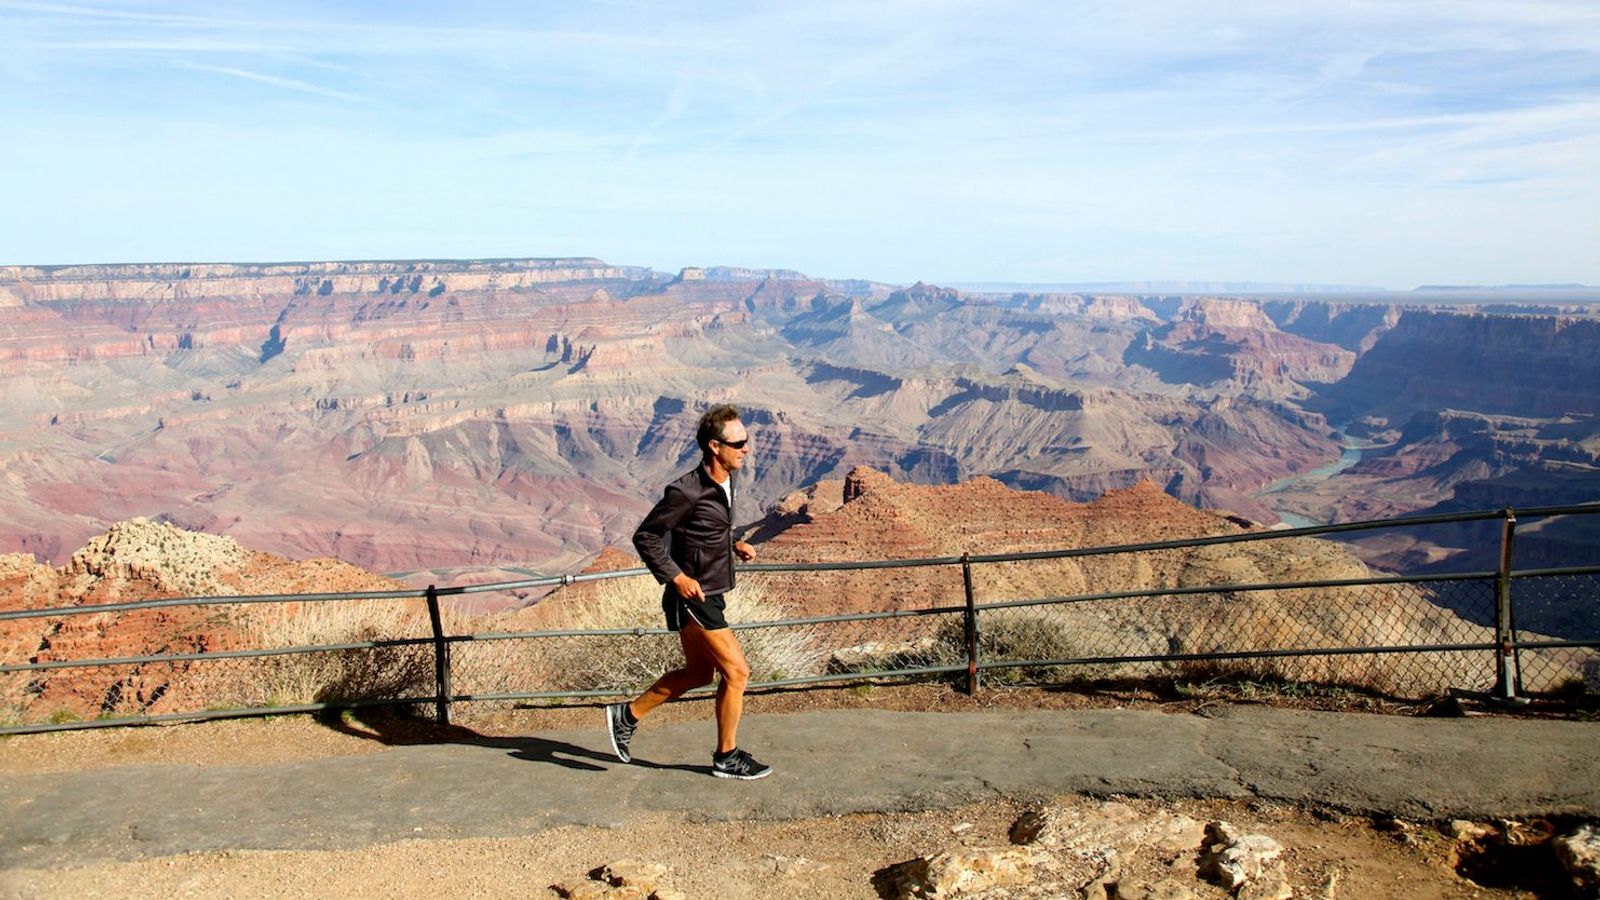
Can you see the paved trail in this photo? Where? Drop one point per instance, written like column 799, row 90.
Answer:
column 831, row 762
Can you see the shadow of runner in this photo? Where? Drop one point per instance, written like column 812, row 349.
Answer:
column 397, row 729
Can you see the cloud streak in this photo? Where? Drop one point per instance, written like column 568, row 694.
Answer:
column 290, row 84
column 743, row 127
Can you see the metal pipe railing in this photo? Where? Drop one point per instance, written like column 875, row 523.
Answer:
column 1029, row 556
column 1505, row 645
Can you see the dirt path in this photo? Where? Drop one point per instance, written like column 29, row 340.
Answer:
column 291, row 807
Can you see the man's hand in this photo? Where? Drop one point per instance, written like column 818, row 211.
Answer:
column 688, row 588
column 745, row 551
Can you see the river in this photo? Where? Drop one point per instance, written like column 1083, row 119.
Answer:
column 1349, row 454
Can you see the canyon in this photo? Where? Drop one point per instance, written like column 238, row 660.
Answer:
column 447, row 420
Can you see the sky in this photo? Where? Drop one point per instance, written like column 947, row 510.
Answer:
column 1389, row 144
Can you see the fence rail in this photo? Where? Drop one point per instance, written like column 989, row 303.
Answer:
column 1455, row 629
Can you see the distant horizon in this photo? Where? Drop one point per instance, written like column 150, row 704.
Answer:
column 1134, row 285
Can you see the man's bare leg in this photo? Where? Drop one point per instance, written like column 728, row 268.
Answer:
column 728, row 658
column 697, row 669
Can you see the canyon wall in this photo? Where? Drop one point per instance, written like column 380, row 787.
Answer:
column 524, row 413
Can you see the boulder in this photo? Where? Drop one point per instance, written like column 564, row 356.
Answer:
column 958, row 872
column 1579, row 852
column 1466, row 830
column 1232, row 858
column 1114, row 827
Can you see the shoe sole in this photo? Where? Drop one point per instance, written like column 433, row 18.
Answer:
column 611, row 732
column 740, row 777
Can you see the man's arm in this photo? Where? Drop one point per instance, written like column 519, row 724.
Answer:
column 650, row 537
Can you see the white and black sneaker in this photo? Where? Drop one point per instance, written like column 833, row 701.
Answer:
column 739, row 764
column 621, row 732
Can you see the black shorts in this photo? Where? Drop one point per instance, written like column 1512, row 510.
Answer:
column 707, row 614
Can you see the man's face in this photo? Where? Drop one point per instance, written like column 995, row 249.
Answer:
column 726, row 451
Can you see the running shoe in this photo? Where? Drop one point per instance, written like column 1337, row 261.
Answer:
column 621, row 732
column 740, row 765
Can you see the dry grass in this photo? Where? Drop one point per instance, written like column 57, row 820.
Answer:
column 631, row 661
column 624, row 662
column 366, row 673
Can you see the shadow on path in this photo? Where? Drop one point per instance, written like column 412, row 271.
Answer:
column 396, row 729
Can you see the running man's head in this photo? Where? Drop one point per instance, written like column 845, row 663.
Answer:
column 723, row 438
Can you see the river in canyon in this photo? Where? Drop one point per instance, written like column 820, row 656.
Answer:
column 1275, row 493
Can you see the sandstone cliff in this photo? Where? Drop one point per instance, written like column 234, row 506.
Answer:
column 1510, row 365
column 522, row 413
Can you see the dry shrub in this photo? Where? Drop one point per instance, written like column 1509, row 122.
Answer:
column 332, row 675
column 488, row 667
column 13, row 700
column 631, row 661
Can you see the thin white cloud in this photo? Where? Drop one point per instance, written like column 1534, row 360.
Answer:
column 970, row 129
column 100, row 12
column 273, row 80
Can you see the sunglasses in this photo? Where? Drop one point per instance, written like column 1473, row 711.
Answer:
column 737, row 445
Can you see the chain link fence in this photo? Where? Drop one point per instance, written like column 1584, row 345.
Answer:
column 1222, row 609
column 1557, row 621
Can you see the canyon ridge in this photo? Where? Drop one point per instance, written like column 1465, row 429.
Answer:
column 437, row 418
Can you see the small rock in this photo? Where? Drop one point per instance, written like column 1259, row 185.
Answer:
column 1104, row 886
column 1273, row 885
column 1449, row 707
column 628, row 873
column 662, row 893
column 1111, row 825
column 1464, row 830
column 964, row 826
column 794, row 866
column 1232, row 858
column 1028, row 826
column 1393, row 825
column 1165, row 889
column 956, row 872
column 1580, row 853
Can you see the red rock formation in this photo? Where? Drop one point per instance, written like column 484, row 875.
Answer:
column 416, row 415
column 143, row 560
column 1233, row 341
column 1508, row 365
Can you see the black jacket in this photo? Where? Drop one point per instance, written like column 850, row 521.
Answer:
column 699, row 518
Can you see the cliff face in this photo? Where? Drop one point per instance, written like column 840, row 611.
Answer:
column 174, row 281
column 1354, row 327
column 1507, row 365
column 524, row 412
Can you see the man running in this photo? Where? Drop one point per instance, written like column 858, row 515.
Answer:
column 696, row 567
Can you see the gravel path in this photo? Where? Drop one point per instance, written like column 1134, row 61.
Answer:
column 829, row 763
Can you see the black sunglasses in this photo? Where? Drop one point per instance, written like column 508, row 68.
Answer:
column 737, row 445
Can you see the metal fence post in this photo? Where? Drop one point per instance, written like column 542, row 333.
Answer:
column 971, row 627
column 1505, row 680
column 441, row 660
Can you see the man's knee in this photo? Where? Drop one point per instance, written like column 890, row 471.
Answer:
column 736, row 675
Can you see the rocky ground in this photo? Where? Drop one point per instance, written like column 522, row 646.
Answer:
column 1065, row 846
column 850, row 856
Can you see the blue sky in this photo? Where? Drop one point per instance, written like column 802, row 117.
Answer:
column 1387, row 143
